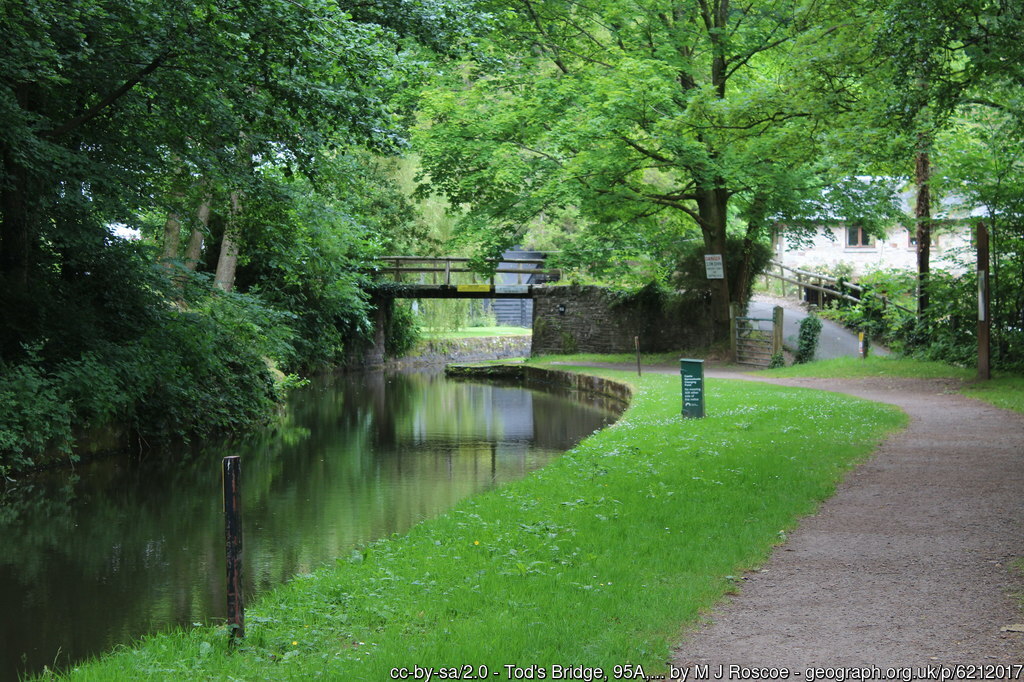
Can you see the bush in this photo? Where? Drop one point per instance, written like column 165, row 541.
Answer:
column 807, row 343
column 191, row 373
column 34, row 417
column 403, row 332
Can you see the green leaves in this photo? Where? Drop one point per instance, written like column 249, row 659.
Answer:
column 632, row 115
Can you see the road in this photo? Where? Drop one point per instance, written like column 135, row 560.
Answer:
column 836, row 341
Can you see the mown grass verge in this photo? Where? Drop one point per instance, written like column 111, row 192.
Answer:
column 597, row 560
column 873, row 366
column 1003, row 391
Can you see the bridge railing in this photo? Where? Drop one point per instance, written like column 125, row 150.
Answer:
column 443, row 268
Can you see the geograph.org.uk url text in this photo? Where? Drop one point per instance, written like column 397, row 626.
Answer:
column 846, row 674
column 702, row 673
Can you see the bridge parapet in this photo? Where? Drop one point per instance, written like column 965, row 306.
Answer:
column 526, row 270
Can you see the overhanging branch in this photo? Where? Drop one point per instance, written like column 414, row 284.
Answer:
column 96, row 109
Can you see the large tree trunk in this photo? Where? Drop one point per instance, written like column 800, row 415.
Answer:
column 228, row 260
column 923, row 217
column 172, row 238
column 711, row 206
column 194, row 250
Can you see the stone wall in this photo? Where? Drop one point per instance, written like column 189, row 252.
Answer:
column 589, row 319
column 617, row 391
column 441, row 351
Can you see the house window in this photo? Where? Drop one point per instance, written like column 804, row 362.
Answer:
column 856, row 237
column 912, row 239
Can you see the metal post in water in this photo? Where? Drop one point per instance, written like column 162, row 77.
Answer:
column 233, row 545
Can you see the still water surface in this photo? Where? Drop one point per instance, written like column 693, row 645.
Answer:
column 101, row 555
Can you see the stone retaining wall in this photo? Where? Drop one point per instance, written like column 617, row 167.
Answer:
column 441, row 351
column 541, row 375
column 589, row 319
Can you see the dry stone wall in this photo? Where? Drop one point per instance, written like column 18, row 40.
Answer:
column 590, row 319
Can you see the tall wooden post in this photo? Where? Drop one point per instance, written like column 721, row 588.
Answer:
column 777, row 329
column 733, row 345
column 233, row 545
column 984, row 323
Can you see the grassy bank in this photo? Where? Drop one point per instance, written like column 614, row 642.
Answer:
column 1002, row 391
column 597, row 560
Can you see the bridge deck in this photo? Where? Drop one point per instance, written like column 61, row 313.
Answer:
column 402, row 269
column 402, row 290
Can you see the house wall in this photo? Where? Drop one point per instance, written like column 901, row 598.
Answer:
column 895, row 251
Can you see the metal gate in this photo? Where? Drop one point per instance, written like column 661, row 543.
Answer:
column 756, row 339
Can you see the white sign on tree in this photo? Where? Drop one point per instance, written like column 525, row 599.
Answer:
column 714, row 266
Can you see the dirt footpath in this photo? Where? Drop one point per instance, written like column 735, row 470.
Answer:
column 909, row 564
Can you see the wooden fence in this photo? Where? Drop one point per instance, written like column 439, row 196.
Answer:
column 805, row 281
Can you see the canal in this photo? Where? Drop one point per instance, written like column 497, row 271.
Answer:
column 99, row 555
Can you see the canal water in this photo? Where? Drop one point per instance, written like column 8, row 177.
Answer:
column 102, row 554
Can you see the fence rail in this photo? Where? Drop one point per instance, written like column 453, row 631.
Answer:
column 399, row 266
column 802, row 280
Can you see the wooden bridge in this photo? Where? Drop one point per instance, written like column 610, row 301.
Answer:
column 430, row 277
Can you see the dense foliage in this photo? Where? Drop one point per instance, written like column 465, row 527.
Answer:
column 244, row 141
column 236, row 126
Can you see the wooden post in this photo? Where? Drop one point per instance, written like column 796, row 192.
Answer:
column 984, row 323
column 636, row 342
column 733, row 345
column 777, row 314
column 233, row 545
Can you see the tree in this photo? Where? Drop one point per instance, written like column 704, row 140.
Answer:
column 652, row 118
column 944, row 55
column 103, row 101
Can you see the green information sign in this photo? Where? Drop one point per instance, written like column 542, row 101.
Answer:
column 693, row 388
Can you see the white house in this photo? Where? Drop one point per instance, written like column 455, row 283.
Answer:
column 838, row 243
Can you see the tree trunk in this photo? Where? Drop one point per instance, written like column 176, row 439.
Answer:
column 711, row 206
column 227, row 262
column 172, row 238
column 923, row 217
column 755, row 222
column 194, row 250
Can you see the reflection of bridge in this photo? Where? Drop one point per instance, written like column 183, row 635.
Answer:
column 421, row 277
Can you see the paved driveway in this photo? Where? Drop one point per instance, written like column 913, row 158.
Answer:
column 836, row 341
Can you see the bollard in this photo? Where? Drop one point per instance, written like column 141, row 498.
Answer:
column 233, row 545
column 636, row 343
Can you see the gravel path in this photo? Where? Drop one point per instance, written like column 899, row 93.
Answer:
column 909, row 564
